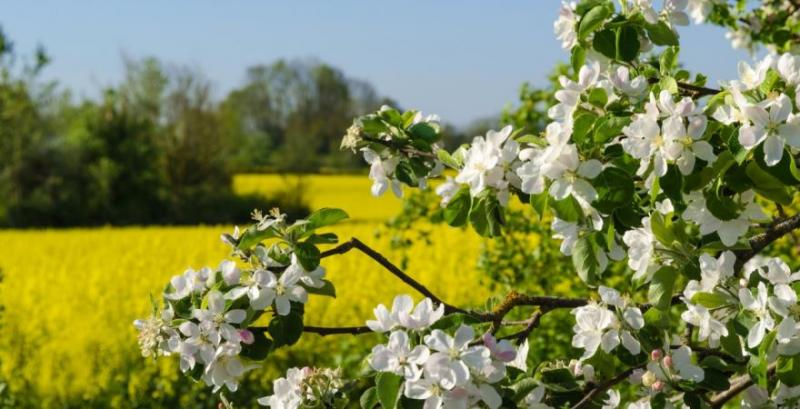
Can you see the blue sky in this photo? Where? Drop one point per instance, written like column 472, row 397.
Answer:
column 462, row 59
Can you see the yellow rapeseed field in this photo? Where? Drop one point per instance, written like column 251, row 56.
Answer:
column 70, row 296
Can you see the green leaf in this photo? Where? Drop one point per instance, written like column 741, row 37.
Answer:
column 308, row 255
column 373, row 125
column 672, row 184
column 710, row 300
column 424, row 131
column 592, row 20
column 627, row 43
column 259, row 349
column 661, row 286
column 327, row 289
column 715, row 380
column 577, row 58
column 325, row 217
column 559, row 379
column 767, row 185
column 662, row 229
column 539, row 203
column 486, row 214
column 609, row 127
column 731, row 343
column 369, row 398
column 405, row 173
column 457, row 210
column 447, row 159
column 597, row 97
column 287, row 329
column 586, row 261
column 789, row 370
column 605, row 42
column 668, row 60
column 661, row 34
column 668, row 84
column 614, row 189
column 583, row 123
column 325, row 238
column 388, row 385
column 723, row 208
column 253, row 236
column 567, row 209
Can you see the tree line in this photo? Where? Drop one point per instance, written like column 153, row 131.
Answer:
column 158, row 147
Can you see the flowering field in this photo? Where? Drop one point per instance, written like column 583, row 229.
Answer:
column 78, row 342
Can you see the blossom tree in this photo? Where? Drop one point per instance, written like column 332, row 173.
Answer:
column 642, row 167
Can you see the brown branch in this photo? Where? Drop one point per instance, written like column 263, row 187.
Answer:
column 323, row 331
column 357, row 244
column 603, row 386
column 696, row 90
column 760, row 241
column 531, row 324
column 737, row 387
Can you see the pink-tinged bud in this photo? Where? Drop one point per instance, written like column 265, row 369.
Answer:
column 668, row 361
column 656, row 354
column 220, row 405
column 246, row 336
column 657, row 386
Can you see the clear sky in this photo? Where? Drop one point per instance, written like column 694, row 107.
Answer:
column 461, row 59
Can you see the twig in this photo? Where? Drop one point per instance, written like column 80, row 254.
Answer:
column 532, row 323
column 603, row 386
column 698, row 90
column 323, row 331
column 760, row 241
column 737, row 386
column 357, row 244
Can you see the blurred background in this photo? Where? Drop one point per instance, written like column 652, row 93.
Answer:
column 133, row 133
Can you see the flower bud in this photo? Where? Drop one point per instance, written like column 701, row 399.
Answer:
column 649, row 379
column 657, row 386
column 668, row 361
column 656, row 354
column 246, row 336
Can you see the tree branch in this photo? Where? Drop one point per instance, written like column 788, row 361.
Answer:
column 603, row 386
column 737, row 387
column 357, row 244
column 760, row 241
column 323, row 331
column 697, row 90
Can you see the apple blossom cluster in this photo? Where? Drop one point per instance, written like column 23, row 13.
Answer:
column 305, row 387
column 208, row 316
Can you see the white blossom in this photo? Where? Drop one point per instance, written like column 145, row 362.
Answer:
column 729, row 231
column 456, row 354
column 564, row 26
column 533, row 400
column 789, row 68
column 712, row 271
column 689, row 139
column 190, row 282
column 641, row 246
column 709, row 328
column 381, row 173
column 287, row 289
column 594, row 327
column 758, row 305
column 404, row 314
column 621, row 80
column 398, row 357
column 259, row 289
column 216, row 316
column 774, row 125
